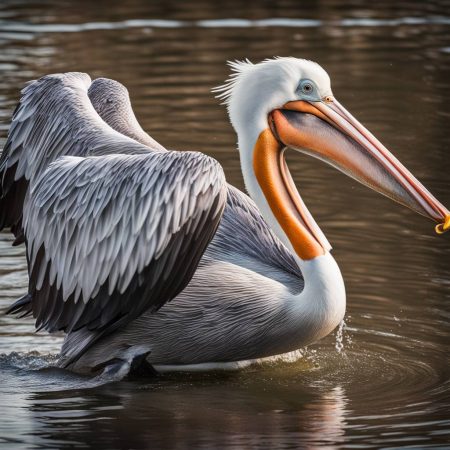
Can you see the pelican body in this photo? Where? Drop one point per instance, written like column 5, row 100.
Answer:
column 142, row 254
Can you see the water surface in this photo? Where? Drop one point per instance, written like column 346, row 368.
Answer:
column 383, row 382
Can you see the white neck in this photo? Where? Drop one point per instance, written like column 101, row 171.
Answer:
column 324, row 291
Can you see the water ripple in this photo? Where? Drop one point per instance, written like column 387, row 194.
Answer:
column 22, row 27
column 383, row 380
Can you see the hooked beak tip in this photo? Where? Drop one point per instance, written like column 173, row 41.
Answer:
column 443, row 227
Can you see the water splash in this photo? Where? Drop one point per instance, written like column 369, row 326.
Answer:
column 339, row 346
column 29, row 361
column 39, row 372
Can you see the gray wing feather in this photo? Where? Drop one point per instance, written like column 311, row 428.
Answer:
column 54, row 118
column 109, row 237
column 243, row 234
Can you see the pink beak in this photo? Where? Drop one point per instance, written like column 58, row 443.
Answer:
column 326, row 130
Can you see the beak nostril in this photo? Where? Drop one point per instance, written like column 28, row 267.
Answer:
column 328, row 99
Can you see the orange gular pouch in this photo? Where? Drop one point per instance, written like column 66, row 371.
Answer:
column 283, row 198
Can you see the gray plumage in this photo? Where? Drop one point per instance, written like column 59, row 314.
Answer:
column 54, row 118
column 100, row 226
column 112, row 102
column 108, row 236
column 101, row 230
column 231, row 310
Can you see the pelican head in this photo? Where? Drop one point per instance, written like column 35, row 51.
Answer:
column 288, row 102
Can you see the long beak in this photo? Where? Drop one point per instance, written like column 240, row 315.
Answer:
column 329, row 132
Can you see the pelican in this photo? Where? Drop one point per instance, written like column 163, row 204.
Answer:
column 146, row 257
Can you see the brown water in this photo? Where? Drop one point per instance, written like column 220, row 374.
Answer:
column 384, row 382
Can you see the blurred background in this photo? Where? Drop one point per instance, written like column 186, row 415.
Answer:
column 381, row 381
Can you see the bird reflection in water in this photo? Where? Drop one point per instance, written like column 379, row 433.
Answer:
column 182, row 411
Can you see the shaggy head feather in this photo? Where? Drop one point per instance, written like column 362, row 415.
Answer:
column 254, row 90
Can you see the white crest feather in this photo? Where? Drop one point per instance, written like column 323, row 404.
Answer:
column 225, row 90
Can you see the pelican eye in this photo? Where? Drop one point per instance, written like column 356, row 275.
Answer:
column 307, row 88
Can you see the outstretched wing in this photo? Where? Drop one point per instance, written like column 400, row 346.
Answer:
column 113, row 229
column 110, row 237
column 54, row 118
